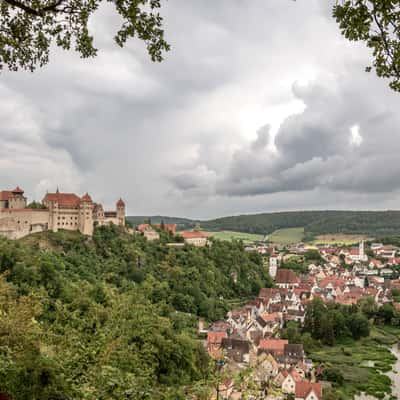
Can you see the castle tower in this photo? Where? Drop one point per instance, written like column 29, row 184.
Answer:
column 121, row 212
column 86, row 215
column 17, row 200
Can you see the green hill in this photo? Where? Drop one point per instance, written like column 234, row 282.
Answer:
column 376, row 223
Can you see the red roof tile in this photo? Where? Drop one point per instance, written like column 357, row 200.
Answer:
column 304, row 388
column 5, row 195
column 120, row 203
column 86, row 198
column 285, row 276
column 273, row 344
column 193, row 235
column 63, row 199
column 18, row 190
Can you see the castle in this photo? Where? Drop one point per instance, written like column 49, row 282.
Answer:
column 57, row 211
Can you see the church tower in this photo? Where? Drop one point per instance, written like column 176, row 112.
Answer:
column 121, row 212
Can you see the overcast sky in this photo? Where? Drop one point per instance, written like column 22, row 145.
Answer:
column 259, row 106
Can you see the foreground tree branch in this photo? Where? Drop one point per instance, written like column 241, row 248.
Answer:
column 29, row 27
column 377, row 23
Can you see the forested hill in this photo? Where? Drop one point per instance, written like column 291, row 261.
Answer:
column 314, row 222
column 113, row 316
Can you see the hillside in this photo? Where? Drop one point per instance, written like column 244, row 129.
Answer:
column 376, row 223
column 113, row 316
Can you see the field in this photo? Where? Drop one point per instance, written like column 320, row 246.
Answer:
column 287, row 236
column 231, row 235
column 339, row 239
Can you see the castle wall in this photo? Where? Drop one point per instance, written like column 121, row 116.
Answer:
column 17, row 223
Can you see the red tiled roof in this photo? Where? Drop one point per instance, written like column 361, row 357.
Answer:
column 273, row 344
column 120, row 203
column 285, row 276
column 215, row 338
column 63, row 199
column 18, row 190
column 270, row 317
column 86, row 198
column 304, row 388
column 143, row 227
column 6, row 194
column 193, row 235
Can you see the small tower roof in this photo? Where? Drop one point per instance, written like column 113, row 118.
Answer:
column 86, row 198
column 120, row 203
column 17, row 190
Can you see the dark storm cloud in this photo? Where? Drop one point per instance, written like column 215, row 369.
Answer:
column 317, row 148
column 195, row 135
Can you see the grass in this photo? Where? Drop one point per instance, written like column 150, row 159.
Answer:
column 351, row 359
column 232, row 235
column 339, row 239
column 287, row 236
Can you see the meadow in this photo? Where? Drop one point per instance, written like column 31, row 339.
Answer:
column 286, row 236
column 339, row 239
column 233, row 235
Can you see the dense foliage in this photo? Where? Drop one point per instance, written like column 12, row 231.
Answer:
column 29, row 28
column 377, row 23
column 113, row 316
column 377, row 223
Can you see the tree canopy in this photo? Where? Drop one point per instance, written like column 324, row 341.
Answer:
column 29, row 27
column 113, row 316
column 377, row 23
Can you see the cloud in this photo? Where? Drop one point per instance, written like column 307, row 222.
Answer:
column 219, row 127
column 342, row 141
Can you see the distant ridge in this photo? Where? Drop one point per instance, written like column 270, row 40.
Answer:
column 377, row 223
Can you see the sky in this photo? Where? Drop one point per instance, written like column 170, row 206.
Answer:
column 260, row 106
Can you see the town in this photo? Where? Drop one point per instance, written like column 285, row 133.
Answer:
column 250, row 338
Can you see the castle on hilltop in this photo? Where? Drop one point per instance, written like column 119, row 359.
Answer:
column 57, row 211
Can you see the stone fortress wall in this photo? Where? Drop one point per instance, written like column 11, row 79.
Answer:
column 60, row 211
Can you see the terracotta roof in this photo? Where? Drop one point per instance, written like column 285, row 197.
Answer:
column 304, row 388
column 86, row 198
column 63, row 199
column 273, row 344
column 18, row 190
column 193, row 235
column 6, row 194
column 270, row 317
column 120, row 203
column 215, row 337
column 285, row 276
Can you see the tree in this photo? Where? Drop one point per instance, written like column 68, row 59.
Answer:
column 29, row 27
column 377, row 23
column 358, row 325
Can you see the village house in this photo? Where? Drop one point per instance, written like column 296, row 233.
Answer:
column 286, row 278
column 195, row 238
column 308, row 391
column 148, row 232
